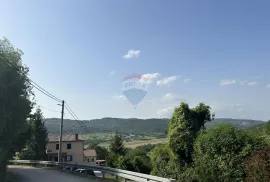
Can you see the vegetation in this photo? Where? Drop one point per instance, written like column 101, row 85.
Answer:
column 15, row 105
column 257, row 167
column 154, row 127
column 219, row 154
column 35, row 148
column 19, row 129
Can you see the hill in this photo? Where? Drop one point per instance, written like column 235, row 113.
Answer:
column 152, row 126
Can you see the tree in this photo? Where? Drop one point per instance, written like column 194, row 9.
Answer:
column 164, row 162
column 117, row 146
column 142, row 164
column 257, row 167
column 36, row 146
column 116, row 150
column 184, row 127
column 267, row 128
column 15, row 103
column 219, row 153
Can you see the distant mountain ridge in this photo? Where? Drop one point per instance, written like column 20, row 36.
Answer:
column 153, row 126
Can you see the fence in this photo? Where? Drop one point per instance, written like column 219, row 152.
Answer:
column 127, row 175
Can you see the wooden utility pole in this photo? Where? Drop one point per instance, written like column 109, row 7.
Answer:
column 61, row 133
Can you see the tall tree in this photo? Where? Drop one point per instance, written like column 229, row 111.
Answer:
column 15, row 105
column 116, row 145
column 184, row 127
column 36, row 146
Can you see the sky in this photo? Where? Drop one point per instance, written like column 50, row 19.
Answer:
column 216, row 52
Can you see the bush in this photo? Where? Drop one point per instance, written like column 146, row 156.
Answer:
column 219, row 154
column 164, row 162
column 188, row 175
column 257, row 167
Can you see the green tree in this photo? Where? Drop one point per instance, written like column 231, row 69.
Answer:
column 116, row 145
column 164, row 162
column 219, row 153
column 267, row 128
column 15, row 103
column 184, row 127
column 142, row 164
column 36, row 146
column 116, row 149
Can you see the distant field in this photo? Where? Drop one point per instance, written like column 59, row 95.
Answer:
column 137, row 143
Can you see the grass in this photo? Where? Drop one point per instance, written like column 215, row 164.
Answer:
column 137, row 143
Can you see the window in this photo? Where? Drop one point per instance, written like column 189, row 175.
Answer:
column 92, row 159
column 88, row 160
column 57, row 146
column 69, row 157
column 69, row 146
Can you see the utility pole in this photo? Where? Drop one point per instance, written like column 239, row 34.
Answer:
column 61, row 133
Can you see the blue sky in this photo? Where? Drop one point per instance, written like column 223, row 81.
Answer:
column 215, row 52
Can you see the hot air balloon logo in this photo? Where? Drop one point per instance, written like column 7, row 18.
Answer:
column 134, row 88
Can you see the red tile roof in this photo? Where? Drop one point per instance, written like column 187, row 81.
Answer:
column 65, row 138
column 90, row 153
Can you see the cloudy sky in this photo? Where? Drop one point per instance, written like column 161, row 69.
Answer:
column 216, row 52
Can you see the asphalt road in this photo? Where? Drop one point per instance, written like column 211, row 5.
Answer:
column 29, row 174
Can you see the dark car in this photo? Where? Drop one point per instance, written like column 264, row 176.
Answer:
column 86, row 171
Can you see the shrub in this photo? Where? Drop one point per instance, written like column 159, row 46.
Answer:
column 219, row 154
column 257, row 167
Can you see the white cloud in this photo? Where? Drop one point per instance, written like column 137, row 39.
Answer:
column 166, row 112
column 227, row 82
column 243, row 82
column 149, row 78
column 268, row 85
column 167, row 80
column 112, row 73
column 119, row 97
column 132, row 54
column 187, row 80
column 252, row 83
column 171, row 98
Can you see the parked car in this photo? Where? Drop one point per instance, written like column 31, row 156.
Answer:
column 86, row 171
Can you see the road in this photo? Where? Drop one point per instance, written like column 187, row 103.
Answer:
column 30, row 174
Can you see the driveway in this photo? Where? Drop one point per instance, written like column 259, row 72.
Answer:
column 30, row 174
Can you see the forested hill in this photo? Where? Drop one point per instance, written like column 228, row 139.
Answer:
column 133, row 125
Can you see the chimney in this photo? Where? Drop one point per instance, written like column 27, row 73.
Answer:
column 76, row 136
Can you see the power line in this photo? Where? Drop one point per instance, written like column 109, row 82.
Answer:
column 76, row 118
column 34, row 84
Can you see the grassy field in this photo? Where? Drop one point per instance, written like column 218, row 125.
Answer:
column 137, row 143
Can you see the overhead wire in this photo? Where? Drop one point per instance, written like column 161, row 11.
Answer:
column 34, row 84
column 45, row 92
column 76, row 118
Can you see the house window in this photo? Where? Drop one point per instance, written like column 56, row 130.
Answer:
column 92, row 159
column 88, row 160
column 69, row 157
column 57, row 146
column 69, row 146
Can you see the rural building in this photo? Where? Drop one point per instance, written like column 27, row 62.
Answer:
column 72, row 149
column 90, row 156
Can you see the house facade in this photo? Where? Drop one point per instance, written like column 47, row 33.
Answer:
column 90, row 156
column 72, row 148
